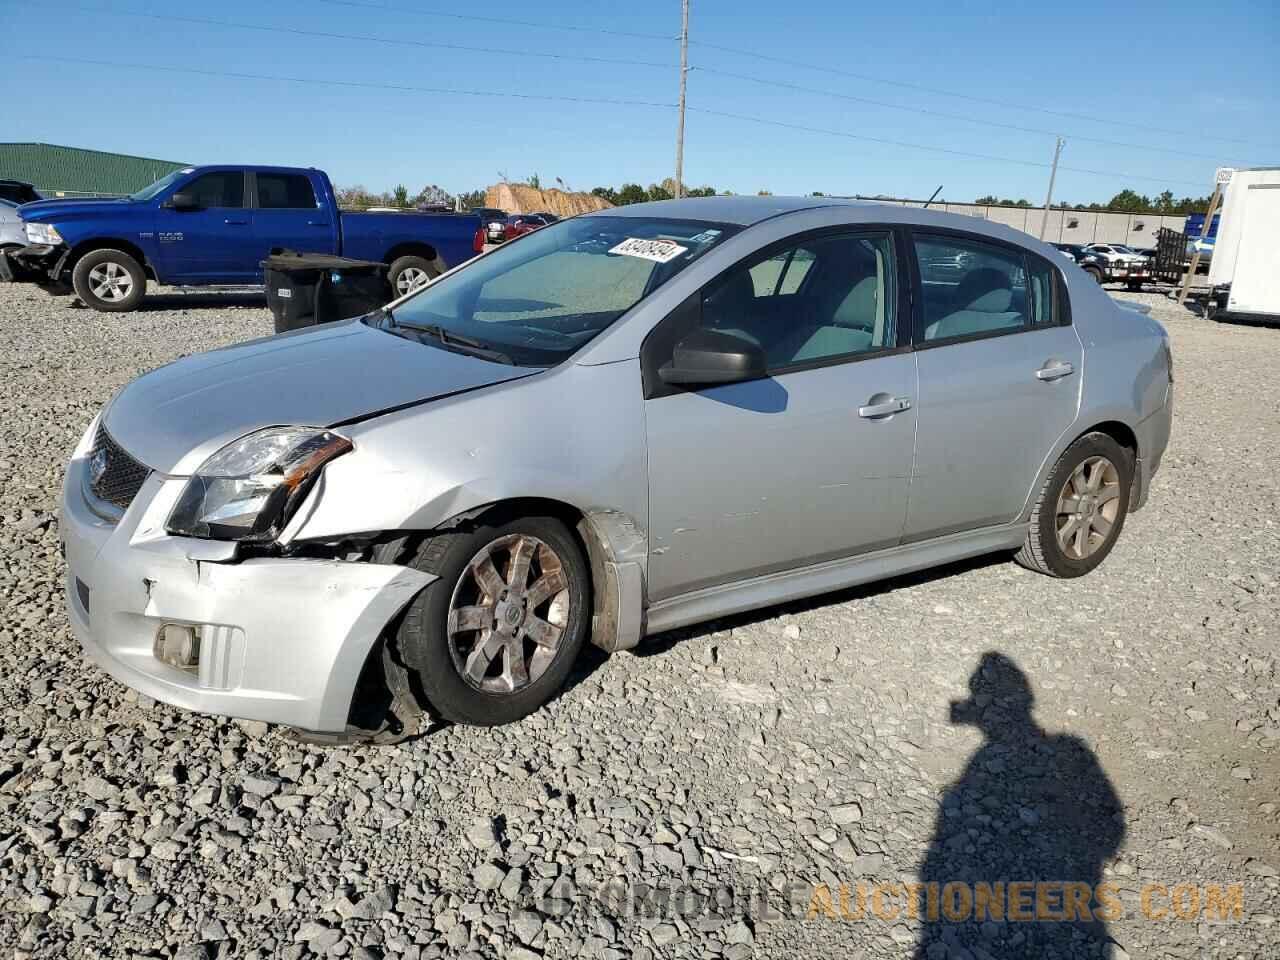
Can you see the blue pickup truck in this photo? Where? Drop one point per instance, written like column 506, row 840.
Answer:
column 213, row 225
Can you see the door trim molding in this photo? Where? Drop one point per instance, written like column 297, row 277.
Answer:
column 730, row 598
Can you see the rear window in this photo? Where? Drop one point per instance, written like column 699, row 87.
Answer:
column 285, row 191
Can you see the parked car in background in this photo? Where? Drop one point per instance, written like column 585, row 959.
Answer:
column 1115, row 263
column 1072, row 251
column 561, row 441
column 495, row 223
column 13, row 236
column 214, row 225
column 18, row 191
column 518, row 224
column 548, row 218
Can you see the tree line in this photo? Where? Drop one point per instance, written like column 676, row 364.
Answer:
column 1126, row 201
column 358, row 197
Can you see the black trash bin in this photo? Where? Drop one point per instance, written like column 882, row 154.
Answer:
column 304, row 289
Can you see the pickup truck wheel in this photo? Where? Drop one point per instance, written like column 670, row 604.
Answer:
column 409, row 273
column 1134, row 285
column 110, row 281
column 495, row 637
column 1095, row 273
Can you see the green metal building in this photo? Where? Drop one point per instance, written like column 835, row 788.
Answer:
column 72, row 172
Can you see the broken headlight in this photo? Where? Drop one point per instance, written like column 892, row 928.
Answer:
column 43, row 234
column 250, row 488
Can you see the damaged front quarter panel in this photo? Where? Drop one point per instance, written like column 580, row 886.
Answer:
column 424, row 468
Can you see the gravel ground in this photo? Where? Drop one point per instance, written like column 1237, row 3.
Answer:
column 739, row 763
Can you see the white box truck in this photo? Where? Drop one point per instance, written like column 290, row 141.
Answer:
column 1245, row 273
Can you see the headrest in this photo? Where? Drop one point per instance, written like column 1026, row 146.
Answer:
column 985, row 291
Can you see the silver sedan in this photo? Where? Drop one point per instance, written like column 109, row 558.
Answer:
column 617, row 425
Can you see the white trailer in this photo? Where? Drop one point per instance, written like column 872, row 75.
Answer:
column 1245, row 272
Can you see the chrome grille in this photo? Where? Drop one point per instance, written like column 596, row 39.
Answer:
column 114, row 476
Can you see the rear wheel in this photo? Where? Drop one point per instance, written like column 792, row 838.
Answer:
column 110, row 281
column 408, row 273
column 495, row 637
column 1081, row 509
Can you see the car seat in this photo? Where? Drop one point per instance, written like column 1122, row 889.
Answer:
column 987, row 298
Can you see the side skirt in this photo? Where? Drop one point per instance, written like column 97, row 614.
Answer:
column 725, row 599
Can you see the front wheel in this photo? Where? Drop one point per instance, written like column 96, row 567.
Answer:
column 495, row 637
column 1095, row 273
column 109, row 281
column 409, row 273
column 1081, row 509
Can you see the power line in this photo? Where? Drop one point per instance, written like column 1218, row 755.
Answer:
column 921, row 88
column 925, row 111
column 367, row 38
column 359, row 84
column 450, row 91
column 921, row 146
column 536, row 24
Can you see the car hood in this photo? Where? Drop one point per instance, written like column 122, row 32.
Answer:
column 42, row 210
column 174, row 418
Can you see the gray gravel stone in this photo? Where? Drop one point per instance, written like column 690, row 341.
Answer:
column 798, row 745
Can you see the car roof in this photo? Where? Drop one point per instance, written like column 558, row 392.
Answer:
column 743, row 211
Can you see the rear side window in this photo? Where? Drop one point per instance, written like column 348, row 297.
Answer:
column 971, row 288
column 222, row 189
column 1044, row 311
column 285, row 191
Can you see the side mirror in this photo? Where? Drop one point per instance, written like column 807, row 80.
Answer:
column 184, row 201
column 706, row 357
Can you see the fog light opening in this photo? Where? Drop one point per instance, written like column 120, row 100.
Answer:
column 178, row 645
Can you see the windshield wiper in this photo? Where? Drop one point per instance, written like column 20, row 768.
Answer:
column 456, row 340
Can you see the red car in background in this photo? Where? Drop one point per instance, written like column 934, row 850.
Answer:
column 518, row 224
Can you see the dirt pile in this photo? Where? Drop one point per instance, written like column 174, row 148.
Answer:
column 521, row 198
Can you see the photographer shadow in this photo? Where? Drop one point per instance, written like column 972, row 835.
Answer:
column 1030, row 824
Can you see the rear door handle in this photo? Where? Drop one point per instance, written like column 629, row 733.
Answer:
column 1055, row 370
column 238, row 223
column 884, row 409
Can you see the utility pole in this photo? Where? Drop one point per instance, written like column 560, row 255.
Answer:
column 1048, row 197
column 684, row 73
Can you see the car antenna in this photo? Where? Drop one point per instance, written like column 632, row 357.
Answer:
column 930, row 200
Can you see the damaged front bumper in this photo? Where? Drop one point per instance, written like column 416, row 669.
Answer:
column 280, row 640
column 34, row 263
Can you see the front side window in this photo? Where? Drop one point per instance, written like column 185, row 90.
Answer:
column 222, row 189
column 970, row 288
column 285, row 191
column 824, row 298
column 539, row 300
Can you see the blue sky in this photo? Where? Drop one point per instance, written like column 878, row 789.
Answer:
column 1136, row 64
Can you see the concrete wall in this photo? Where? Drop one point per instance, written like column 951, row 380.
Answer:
column 1066, row 226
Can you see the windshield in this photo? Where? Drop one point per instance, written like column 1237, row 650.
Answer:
column 548, row 293
column 157, row 188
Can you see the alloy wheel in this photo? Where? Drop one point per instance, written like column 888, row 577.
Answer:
column 110, row 282
column 508, row 614
column 1088, row 507
column 411, row 278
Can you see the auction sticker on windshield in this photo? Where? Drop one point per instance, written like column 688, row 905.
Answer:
column 659, row 251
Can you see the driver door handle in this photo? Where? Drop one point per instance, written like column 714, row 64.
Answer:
column 1055, row 370
column 896, row 405
column 238, row 223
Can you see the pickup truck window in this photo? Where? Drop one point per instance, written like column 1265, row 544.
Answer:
column 285, row 191
column 221, row 189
